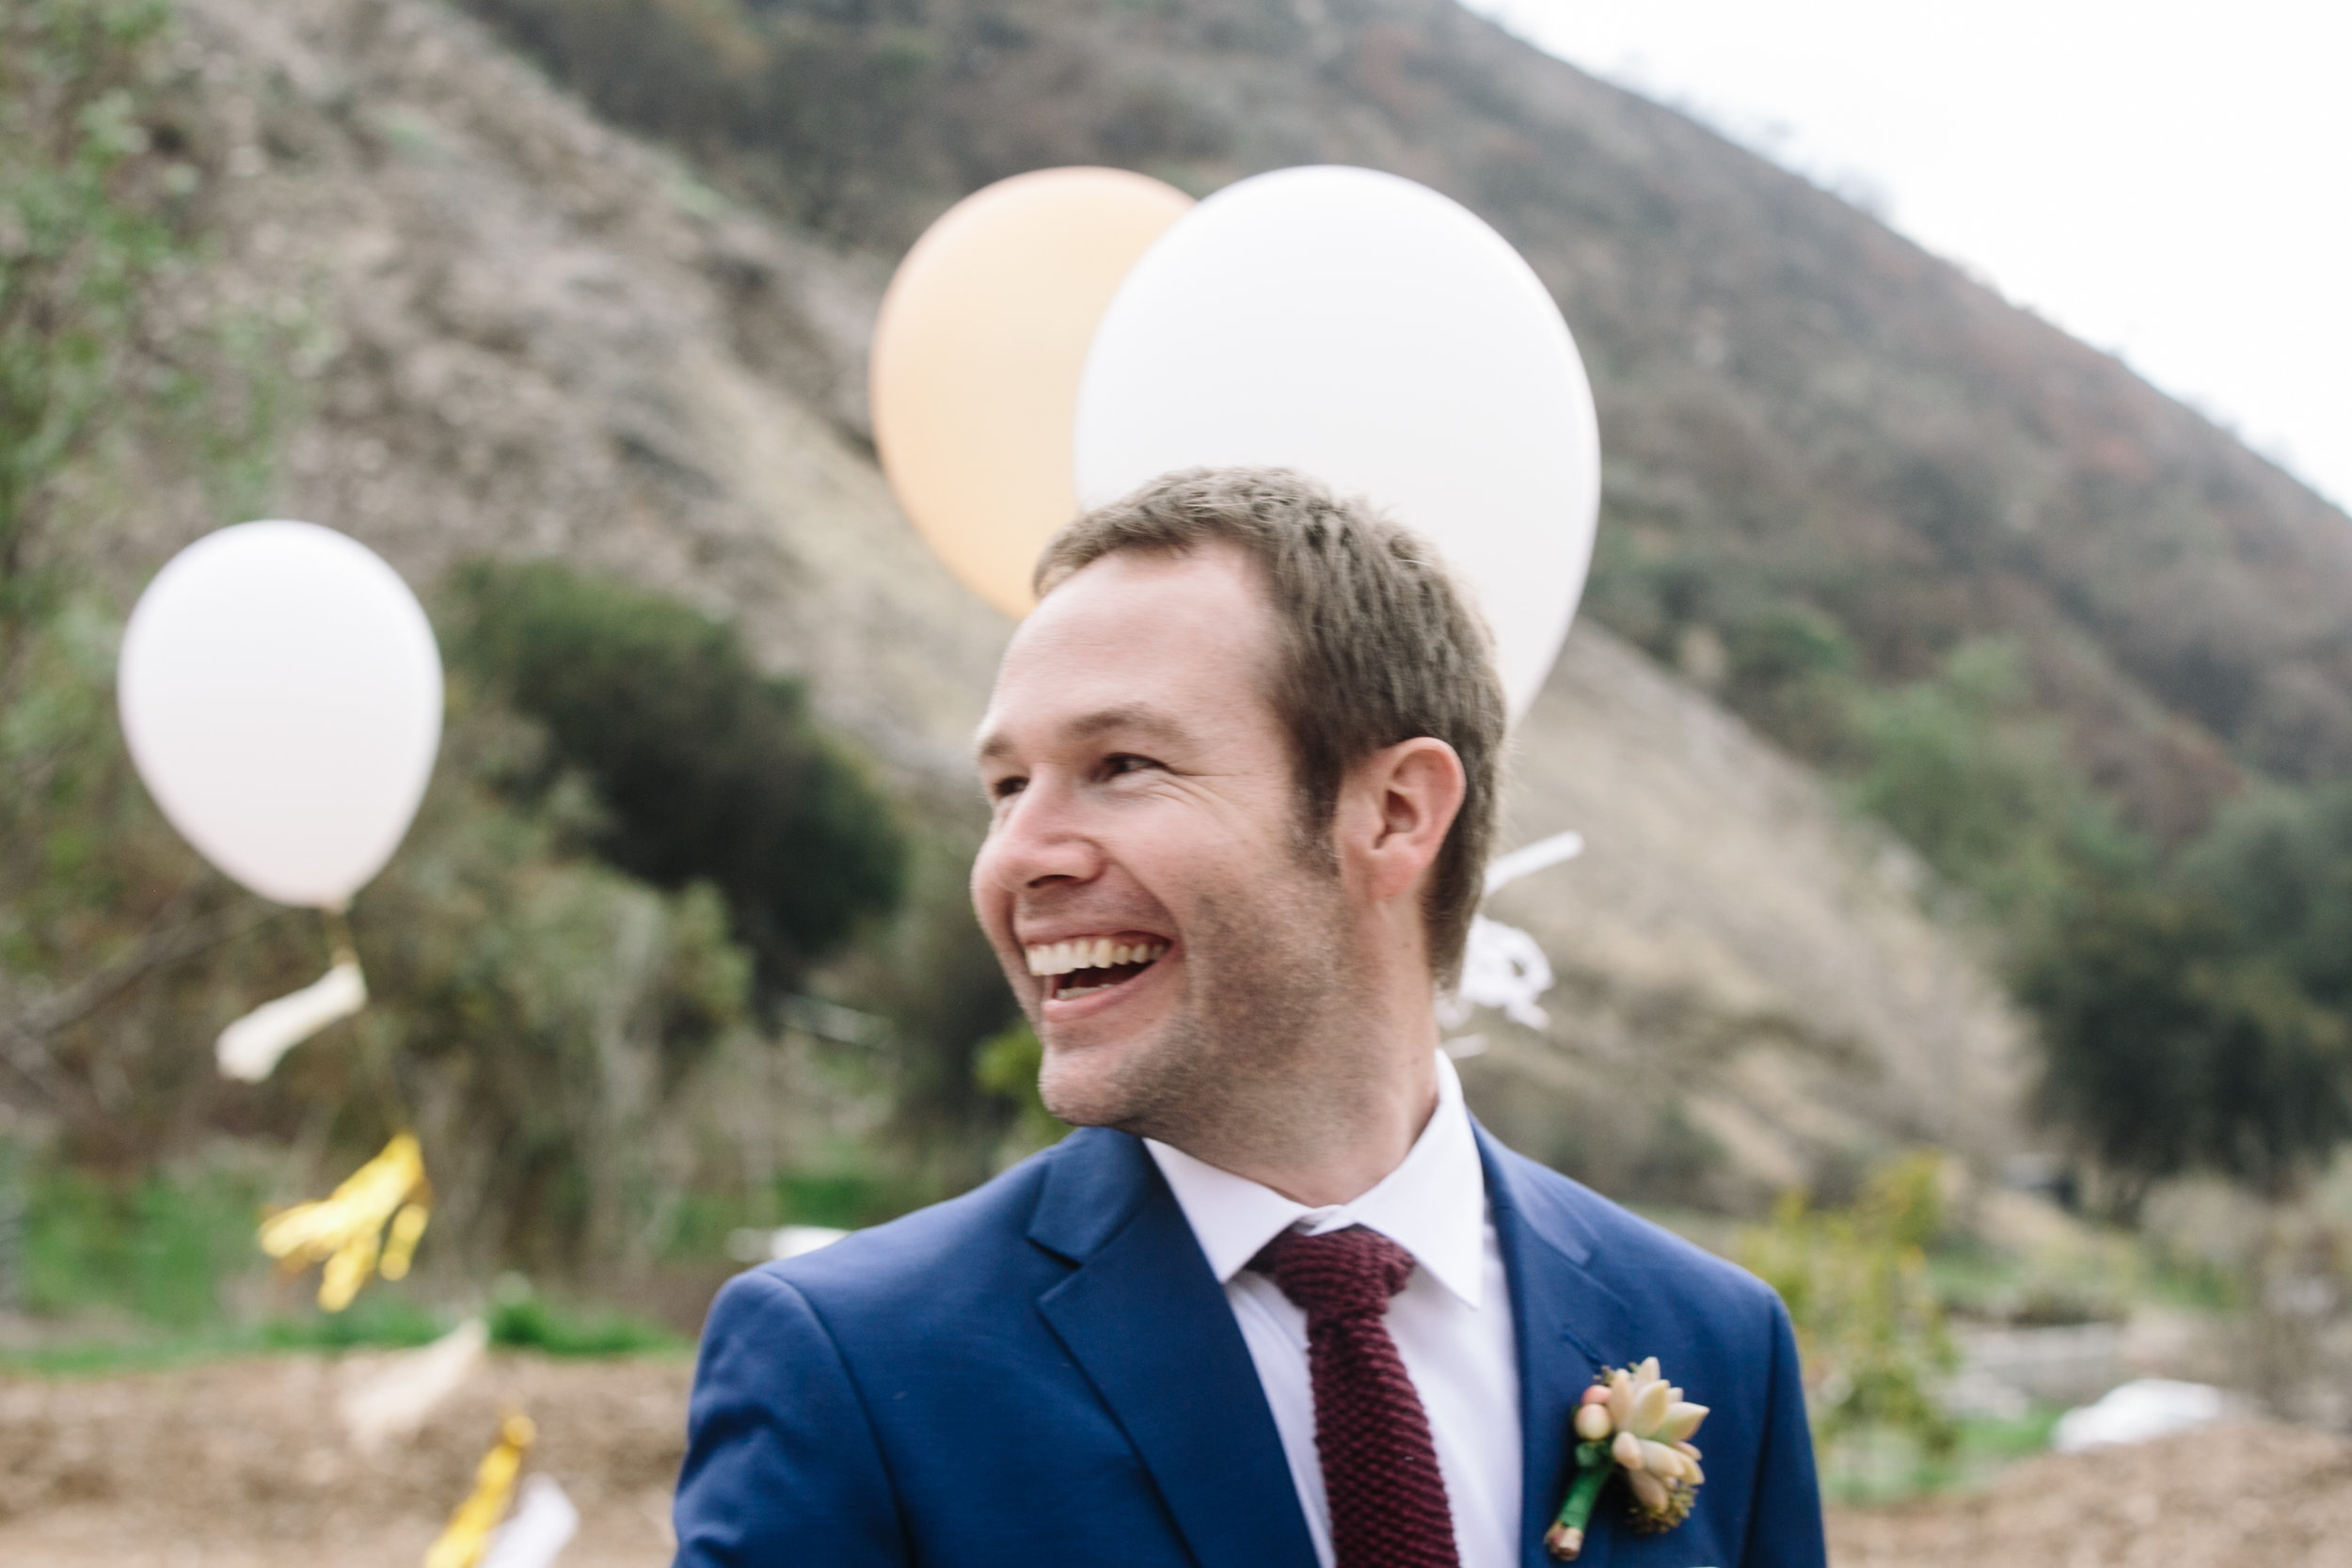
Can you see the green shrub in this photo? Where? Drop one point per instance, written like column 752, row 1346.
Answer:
column 708, row 769
column 1869, row 1327
column 933, row 976
column 2168, row 1049
column 542, row 1013
column 380, row 1319
column 820, row 104
column 154, row 1247
column 521, row 1320
column 846, row 1199
column 1007, row 1066
column 2279, row 864
column 1967, row 772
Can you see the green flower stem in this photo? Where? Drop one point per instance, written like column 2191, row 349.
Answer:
column 1593, row 1467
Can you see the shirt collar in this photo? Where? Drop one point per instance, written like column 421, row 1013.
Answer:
column 1433, row 1205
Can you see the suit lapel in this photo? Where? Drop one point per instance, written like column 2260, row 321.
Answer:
column 1150, row 1325
column 1569, row 1326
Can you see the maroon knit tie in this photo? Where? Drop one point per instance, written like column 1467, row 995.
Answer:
column 1379, row 1467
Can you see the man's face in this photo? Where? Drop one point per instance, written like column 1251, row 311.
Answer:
column 1143, row 882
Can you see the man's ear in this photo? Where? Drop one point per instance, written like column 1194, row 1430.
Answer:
column 1400, row 802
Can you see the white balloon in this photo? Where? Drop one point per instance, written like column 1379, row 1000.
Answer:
column 1375, row 335
column 281, row 696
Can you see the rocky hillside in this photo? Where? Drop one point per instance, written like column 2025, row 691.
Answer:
column 1827, row 450
column 535, row 335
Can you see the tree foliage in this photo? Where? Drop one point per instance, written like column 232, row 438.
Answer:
column 81, row 242
column 540, row 1017
column 708, row 769
column 817, row 103
column 2280, row 863
column 1972, row 776
column 99, row 213
column 2170, row 1047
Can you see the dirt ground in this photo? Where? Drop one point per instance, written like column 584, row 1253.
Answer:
column 246, row 1465
column 2241, row 1493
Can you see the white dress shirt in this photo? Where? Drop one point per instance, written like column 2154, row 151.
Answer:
column 1452, row 1323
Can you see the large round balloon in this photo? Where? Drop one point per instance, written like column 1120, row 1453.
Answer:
column 976, row 355
column 281, row 696
column 1375, row 335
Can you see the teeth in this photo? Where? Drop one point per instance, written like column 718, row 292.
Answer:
column 1062, row 957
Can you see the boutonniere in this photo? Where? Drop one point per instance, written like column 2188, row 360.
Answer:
column 1631, row 1419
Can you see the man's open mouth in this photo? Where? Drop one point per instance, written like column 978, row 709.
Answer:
column 1082, row 965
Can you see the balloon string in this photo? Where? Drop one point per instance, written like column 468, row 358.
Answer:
column 337, row 924
column 381, row 1079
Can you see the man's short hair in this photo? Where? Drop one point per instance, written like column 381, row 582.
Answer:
column 1378, row 646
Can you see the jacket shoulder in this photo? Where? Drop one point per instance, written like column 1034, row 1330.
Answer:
column 991, row 1244
column 1634, row 1253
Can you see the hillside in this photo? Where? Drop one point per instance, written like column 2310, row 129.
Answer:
column 1827, row 451
column 539, row 337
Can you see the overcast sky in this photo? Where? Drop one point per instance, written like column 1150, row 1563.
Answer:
column 2171, row 181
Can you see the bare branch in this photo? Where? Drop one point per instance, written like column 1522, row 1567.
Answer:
column 158, row 949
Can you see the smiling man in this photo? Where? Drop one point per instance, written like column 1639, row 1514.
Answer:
column 1281, row 1303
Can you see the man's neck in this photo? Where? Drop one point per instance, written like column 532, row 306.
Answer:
column 1332, row 1140
column 1346, row 1173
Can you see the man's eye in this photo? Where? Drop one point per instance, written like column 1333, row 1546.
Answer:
column 1006, row 788
column 1123, row 761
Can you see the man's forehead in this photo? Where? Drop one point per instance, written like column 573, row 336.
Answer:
column 1130, row 593
column 1147, row 643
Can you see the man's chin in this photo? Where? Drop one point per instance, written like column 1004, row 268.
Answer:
column 1091, row 1083
column 1080, row 1096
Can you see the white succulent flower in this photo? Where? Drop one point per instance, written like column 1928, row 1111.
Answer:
column 1644, row 1426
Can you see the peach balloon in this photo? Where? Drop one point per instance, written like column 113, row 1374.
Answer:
column 977, row 357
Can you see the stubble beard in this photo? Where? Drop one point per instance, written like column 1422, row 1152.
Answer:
column 1256, row 1055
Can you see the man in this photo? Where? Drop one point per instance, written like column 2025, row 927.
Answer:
column 1280, row 1303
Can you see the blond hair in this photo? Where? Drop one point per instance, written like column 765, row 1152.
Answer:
column 1378, row 645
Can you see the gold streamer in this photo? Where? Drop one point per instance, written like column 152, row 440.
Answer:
column 461, row 1545
column 400, row 1244
column 346, row 1231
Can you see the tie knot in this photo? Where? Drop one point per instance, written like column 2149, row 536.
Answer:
column 1337, row 1275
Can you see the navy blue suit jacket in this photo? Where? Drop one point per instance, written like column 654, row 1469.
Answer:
column 1044, row 1371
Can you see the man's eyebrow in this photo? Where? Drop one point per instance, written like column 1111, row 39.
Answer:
column 1149, row 721
column 1133, row 717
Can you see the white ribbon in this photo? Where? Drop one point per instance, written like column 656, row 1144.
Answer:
column 1503, row 968
column 1505, row 869
column 543, row 1524
column 249, row 1047
column 399, row 1397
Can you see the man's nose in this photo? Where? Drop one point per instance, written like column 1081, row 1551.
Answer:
column 1039, row 839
